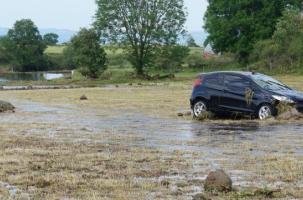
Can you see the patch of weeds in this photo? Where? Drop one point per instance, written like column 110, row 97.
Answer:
column 251, row 193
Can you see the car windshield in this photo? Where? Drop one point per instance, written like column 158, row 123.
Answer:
column 268, row 83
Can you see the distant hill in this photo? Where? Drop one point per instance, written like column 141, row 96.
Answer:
column 64, row 35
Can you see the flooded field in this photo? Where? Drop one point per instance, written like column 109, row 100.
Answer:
column 128, row 143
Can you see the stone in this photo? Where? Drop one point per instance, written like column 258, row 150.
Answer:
column 6, row 106
column 218, row 181
column 83, row 97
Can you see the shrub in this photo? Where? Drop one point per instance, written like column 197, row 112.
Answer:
column 195, row 60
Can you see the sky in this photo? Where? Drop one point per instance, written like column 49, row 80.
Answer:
column 73, row 14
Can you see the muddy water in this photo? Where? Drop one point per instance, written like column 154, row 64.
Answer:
column 220, row 142
column 174, row 134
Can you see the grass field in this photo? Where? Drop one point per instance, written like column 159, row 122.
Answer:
column 127, row 142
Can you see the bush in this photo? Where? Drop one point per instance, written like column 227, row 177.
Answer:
column 195, row 60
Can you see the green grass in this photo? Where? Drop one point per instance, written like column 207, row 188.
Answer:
column 55, row 49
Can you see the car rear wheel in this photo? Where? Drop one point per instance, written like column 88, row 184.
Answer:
column 199, row 109
column 265, row 112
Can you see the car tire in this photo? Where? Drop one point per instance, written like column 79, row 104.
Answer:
column 264, row 112
column 199, row 108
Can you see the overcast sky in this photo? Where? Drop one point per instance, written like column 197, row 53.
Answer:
column 73, row 14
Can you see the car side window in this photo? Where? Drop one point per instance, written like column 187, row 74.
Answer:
column 236, row 82
column 214, row 80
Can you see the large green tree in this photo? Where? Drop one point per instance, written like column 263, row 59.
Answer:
column 25, row 46
column 51, row 38
column 236, row 25
column 88, row 54
column 140, row 25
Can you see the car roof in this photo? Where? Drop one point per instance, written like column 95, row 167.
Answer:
column 243, row 73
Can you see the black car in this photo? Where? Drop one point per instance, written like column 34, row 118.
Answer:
column 241, row 92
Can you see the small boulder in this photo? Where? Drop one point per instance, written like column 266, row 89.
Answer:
column 6, row 107
column 83, row 97
column 218, row 181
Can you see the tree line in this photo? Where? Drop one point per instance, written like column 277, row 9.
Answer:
column 262, row 34
column 23, row 46
column 258, row 33
column 147, row 30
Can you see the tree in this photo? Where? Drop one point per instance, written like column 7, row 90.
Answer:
column 191, row 41
column 88, row 54
column 140, row 25
column 235, row 26
column 171, row 57
column 25, row 46
column 51, row 38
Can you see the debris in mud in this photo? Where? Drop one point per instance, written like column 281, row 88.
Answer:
column 165, row 183
column 83, row 97
column 292, row 114
column 6, row 106
column 200, row 196
column 184, row 113
column 205, row 116
column 283, row 107
column 24, row 196
column 218, row 181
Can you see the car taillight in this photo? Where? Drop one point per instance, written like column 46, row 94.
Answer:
column 197, row 83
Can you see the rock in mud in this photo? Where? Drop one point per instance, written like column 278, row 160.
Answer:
column 292, row 114
column 218, row 181
column 83, row 97
column 6, row 107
